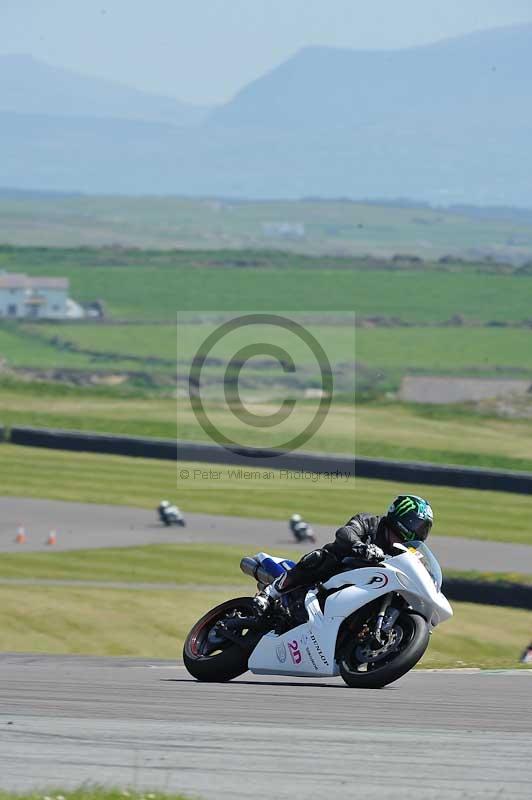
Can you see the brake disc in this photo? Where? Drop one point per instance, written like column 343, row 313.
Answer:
column 365, row 653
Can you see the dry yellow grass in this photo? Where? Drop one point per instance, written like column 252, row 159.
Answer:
column 401, row 426
column 153, row 624
column 100, row 622
column 480, row 636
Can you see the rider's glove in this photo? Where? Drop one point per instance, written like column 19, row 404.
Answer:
column 368, row 552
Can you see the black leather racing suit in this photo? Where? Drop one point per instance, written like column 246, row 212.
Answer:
column 322, row 564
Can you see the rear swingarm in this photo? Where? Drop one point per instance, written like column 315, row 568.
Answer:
column 231, row 629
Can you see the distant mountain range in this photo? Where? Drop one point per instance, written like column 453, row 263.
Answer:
column 444, row 123
column 28, row 86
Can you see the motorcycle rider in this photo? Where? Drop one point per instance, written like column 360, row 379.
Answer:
column 365, row 537
column 299, row 527
column 162, row 508
column 168, row 512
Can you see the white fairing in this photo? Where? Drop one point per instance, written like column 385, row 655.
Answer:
column 309, row 649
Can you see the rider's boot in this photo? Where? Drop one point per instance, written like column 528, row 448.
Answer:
column 264, row 600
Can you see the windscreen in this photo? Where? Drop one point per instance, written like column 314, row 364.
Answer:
column 428, row 559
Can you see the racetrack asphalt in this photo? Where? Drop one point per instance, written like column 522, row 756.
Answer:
column 66, row 720
column 80, row 526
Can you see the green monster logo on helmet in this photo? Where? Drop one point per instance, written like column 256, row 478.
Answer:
column 406, row 505
column 411, row 516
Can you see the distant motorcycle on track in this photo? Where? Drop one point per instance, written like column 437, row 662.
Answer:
column 369, row 624
column 170, row 514
column 301, row 529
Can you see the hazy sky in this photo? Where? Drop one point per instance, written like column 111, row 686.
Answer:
column 203, row 51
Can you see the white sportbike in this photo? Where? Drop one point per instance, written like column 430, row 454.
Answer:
column 369, row 624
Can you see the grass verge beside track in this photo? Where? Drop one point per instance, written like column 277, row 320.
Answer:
column 112, row 622
column 479, row 636
column 91, row 478
column 153, row 624
column 200, row 564
column 89, row 793
column 208, row 564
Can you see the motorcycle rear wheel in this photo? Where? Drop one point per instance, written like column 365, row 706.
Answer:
column 223, row 660
column 358, row 673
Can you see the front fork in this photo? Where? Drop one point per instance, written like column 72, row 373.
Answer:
column 383, row 627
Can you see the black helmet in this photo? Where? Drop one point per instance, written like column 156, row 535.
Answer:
column 410, row 517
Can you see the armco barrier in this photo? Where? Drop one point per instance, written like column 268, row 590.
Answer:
column 94, row 443
column 441, row 475
column 512, row 595
column 400, row 471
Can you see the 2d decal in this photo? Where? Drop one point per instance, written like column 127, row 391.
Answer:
column 295, row 653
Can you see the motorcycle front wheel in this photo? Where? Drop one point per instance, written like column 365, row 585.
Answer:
column 364, row 666
column 209, row 656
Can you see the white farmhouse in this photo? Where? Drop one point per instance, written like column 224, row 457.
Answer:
column 22, row 296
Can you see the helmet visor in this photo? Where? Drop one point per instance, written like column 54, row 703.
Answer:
column 412, row 527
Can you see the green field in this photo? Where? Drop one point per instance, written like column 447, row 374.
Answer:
column 91, row 478
column 145, row 288
column 148, row 288
column 330, row 226
column 418, row 349
column 154, row 286
column 21, row 349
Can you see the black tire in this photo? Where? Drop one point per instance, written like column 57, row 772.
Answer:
column 416, row 635
column 230, row 660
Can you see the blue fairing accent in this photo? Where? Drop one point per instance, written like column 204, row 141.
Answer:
column 272, row 567
column 287, row 564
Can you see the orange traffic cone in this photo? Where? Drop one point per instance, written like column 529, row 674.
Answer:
column 52, row 538
column 21, row 537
